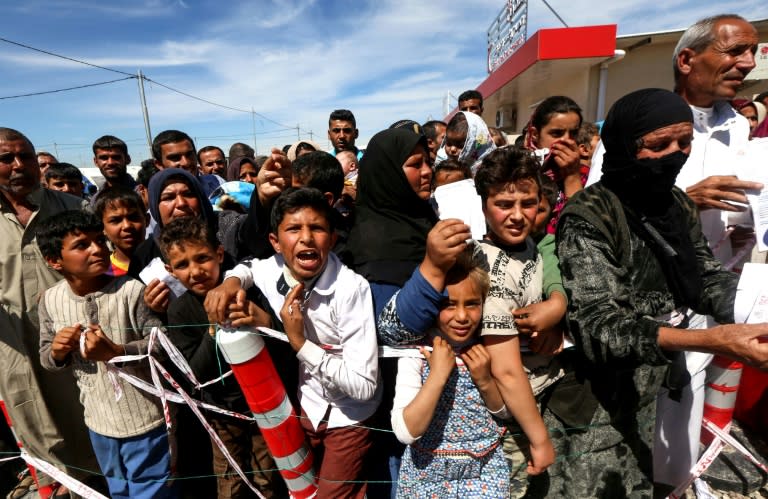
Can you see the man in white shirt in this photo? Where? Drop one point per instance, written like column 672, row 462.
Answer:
column 710, row 63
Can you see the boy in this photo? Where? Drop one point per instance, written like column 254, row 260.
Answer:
column 124, row 217
column 327, row 312
column 194, row 257
column 450, row 171
column 508, row 183
column 65, row 178
column 542, row 320
column 86, row 320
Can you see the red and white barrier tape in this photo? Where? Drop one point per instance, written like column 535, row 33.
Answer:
column 722, row 437
column 72, row 484
column 181, row 397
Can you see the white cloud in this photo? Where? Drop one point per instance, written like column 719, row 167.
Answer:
column 391, row 59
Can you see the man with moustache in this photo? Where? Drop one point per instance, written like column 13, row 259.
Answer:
column 43, row 406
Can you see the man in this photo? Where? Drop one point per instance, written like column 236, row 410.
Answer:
column 342, row 132
column 212, row 161
column 471, row 101
column 710, row 62
column 45, row 160
column 434, row 130
column 110, row 155
column 175, row 149
column 238, row 150
column 632, row 254
column 43, row 406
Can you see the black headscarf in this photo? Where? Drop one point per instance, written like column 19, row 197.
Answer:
column 389, row 235
column 645, row 186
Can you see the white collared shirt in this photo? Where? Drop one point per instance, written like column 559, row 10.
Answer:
column 339, row 366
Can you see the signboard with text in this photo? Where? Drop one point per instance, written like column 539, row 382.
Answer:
column 761, row 63
column 507, row 33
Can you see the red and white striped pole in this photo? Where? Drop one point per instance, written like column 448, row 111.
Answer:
column 44, row 492
column 722, row 387
column 266, row 397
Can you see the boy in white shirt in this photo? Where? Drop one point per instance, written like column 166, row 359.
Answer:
column 327, row 313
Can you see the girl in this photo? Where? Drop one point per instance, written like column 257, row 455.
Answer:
column 554, row 126
column 444, row 411
column 387, row 241
column 467, row 139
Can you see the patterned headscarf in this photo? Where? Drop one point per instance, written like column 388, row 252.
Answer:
column 476, row 146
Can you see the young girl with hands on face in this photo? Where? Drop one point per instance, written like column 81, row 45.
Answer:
column 446, row 405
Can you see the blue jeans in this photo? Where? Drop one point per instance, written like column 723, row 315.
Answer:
column 135, row 467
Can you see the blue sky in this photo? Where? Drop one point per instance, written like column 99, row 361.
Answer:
column 292, row 61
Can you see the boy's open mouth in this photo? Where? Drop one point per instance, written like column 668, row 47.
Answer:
column 307, row 255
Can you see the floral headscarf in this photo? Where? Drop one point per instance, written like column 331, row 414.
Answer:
column 476, row 146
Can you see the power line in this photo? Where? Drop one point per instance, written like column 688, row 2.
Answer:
column 217, row 104
column 67, row 89
column 130, row 75
column 65, row 57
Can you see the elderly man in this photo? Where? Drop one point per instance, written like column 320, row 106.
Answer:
column 632, row 255
column 710, row 62
column 43, row 406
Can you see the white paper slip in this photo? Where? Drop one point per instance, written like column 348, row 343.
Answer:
column 752, row 166
column 460, row 200
column 751, row 304
column 156, row 270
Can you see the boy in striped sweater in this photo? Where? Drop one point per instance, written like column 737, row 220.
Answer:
column 86, row 320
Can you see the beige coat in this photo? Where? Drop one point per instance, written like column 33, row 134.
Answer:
column 43, row 406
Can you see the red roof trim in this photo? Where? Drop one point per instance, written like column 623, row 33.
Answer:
column 548, row 44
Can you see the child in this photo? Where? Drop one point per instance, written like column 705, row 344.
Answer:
column 65, row 178
column 466, row 139
column 508, row 183
column 194, row 257
column 587, row 139
column 540, row 320
column 125, row 222
column 444, row 412
column 450, row 171
column 326, row 310
column 86, row 320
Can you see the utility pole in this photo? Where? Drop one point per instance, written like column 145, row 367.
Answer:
column 298, row 132
column 253, row 120
column 145, row 112
column 56, row 150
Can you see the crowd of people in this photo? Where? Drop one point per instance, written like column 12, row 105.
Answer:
column 560, row 355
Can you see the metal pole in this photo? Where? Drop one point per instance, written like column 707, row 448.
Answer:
column 145, row 112
column 56, row 150
column 554, row 12
column 253, row 120
column 298, row 132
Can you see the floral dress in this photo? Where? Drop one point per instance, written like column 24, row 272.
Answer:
column 460, row 453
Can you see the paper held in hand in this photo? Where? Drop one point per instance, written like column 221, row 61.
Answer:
column 460, row 200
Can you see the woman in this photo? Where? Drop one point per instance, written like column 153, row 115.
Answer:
column 242, row 169
column 392, row 212
column 633, row 262
column 175, row 193
column 386, row 243
column 552, row 130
